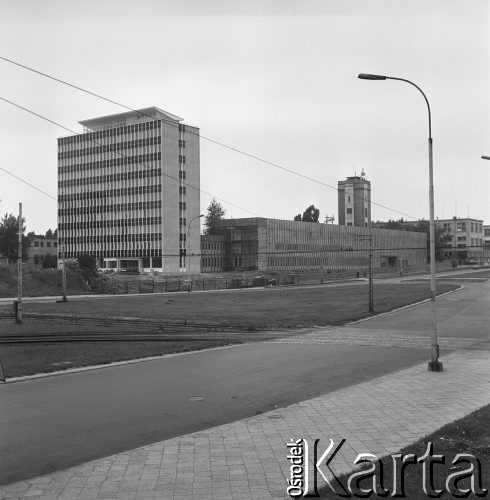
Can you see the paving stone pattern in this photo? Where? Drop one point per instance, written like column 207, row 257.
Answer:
column 366, row 337
column 247, row 459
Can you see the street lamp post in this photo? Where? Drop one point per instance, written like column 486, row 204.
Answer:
column 188, row 233
column 18, row 311
column 369, row 237
column 64, row 297
column 434, row 364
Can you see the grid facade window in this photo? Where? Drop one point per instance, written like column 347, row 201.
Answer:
column 116, row 189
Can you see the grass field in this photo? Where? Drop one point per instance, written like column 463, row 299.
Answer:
column 288, row 307
column 277, row 308
column 30, row 359
column 468, row 435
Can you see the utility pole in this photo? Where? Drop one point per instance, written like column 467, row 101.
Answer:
column 371, row 287
column 369, row 237
column 63, row 273
column 188, row 261
column 18, row 310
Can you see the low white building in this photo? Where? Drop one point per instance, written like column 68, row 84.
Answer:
column 463, row 239
column 486, row 237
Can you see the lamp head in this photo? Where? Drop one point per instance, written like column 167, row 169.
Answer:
column 368, row 76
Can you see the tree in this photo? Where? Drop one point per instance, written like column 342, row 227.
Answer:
column 9, row 238
column 49, row 233
column 423, row 226
column 420, row 226
column 400, row 225
column 214, row 215
column 87, row 263
column 311, row 214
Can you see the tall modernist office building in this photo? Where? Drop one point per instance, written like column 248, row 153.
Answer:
column 128, row 190
column 354, row 200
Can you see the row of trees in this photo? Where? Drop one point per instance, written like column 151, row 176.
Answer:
column 419, row 226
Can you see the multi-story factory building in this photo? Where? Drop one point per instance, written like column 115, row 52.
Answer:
column 272, row 245
column 128, row 189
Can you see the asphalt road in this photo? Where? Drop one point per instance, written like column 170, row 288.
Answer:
column 52, row 423
column 463, row 313
column 56, row 422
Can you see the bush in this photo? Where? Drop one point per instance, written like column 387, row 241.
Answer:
column 87, row 262
column 50, row 261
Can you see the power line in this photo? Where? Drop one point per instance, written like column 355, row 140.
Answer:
column 214, row 141
column 42, row 117
column 28, row 183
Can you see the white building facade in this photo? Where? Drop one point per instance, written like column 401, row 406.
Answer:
column 463, row 239
column 486, row 237
column 128, row 188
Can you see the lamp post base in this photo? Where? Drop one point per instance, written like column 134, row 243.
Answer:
column 435, row 366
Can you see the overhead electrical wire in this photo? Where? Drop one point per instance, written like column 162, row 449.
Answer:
column 214, row 141
column 144, row 164
column 28, row 183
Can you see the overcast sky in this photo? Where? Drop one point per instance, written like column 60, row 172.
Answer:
column 277, row 79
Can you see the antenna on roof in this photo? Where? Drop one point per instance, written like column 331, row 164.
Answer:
column 363, row 174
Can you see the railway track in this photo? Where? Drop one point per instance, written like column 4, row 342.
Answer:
column 108, row 337
column 122, row 322
column 128, row 329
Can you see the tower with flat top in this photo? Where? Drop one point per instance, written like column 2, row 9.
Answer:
column 354, row 200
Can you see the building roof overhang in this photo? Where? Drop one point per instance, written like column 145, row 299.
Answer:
column 149, row 113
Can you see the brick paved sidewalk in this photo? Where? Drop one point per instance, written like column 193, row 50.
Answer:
column 247, row 459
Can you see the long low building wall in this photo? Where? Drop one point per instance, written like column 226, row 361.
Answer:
column 273, row 245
